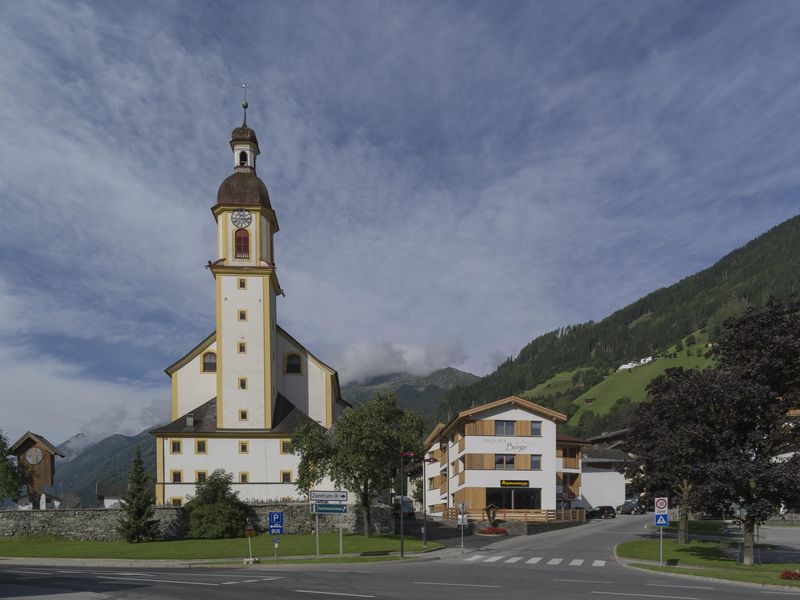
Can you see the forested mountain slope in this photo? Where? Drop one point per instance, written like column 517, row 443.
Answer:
column 652, row 325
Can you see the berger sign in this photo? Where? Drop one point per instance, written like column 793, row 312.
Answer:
column 515, row 446
column 517, row 483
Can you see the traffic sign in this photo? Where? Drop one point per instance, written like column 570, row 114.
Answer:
column 462, row 508
column 249, row 530
column 662, row 520
column 323, row 509
column 662, row 506
column 328, row 497
column 275, row 522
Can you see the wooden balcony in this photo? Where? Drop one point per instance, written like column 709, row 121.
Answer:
column 574, row 515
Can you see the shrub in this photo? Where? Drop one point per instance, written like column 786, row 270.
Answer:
column 493, row 531
column 791, row 574
column 216, row 511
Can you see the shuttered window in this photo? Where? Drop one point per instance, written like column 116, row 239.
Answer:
column 242, row 243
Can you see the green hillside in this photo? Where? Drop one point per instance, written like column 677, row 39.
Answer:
column 564, row 367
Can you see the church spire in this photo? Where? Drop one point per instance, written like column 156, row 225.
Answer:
column 245, row 87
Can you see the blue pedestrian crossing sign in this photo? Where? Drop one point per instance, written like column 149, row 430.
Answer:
column 275, row 523
column 662, row 520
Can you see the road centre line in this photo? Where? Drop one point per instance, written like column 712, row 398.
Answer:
column 644, row 595
column 456, row 584
column 333, row 593
column 688, row 587
column 582, row 581
column 29, row 572
column 156, row 580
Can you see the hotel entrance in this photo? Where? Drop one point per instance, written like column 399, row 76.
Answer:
column 514, row 498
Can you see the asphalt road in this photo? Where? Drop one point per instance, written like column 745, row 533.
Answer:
column 576, row 563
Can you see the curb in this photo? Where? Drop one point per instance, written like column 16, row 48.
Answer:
column 626, row 563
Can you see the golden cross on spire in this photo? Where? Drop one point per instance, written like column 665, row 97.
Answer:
column 245, row 87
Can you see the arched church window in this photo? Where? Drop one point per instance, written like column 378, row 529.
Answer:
column 294, row 364
column 210, row 362
column 242, row 159
column 242, row 241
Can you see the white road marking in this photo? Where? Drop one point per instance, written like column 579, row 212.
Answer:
column 576, row 562
column 780, row 593
column 555, row 561
column 533, row 561
column 334, row 594
column 514, row 559
column 473, row 558
column 582, row 581
column 156, row 580
column 29, row 572
column 494, row 558
column 688, row 587
column 456, row 584
column 599, row 563
column 230, row 582
column 76, row 572
column 644, row 595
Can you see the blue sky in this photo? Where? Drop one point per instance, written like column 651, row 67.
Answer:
column 451, row 179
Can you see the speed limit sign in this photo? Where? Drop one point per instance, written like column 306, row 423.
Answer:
column 662, row 506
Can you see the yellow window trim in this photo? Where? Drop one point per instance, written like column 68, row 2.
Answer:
column 176, row 501
column 242, row 280
column 243, row 415
column 172, row 473
column 242, row 383
column 172, row 448
column 203, row 359
column 197, row 475
column 246, row 475
column 289, row 473
column 244, row 447
column 197, row 446
column 240, row 346
column 241, row 312
column 286, row 363
column 282, row 442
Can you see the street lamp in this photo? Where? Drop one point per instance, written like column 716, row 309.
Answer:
column 425, row 461
column 402, row 481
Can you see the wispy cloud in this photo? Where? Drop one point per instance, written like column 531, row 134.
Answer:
column 451, row 180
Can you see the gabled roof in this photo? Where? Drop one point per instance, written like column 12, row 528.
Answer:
column 563, row 438
column 510, row 400
column 39, row 439
column 194, row 352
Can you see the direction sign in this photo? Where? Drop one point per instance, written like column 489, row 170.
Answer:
column 330, row 496
column 662, row 520
column 275, row 522
column 323, row 509
column 662, row 506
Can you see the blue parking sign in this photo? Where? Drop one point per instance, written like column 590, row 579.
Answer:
column 275, row 523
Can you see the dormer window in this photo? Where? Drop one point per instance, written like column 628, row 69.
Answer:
column 242, row 159
column 242, row 243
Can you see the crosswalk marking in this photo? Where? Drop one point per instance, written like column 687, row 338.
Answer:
column 599, row 563
column 577, row 562
column 494, row 558
column 514, row 559
column 474, row 558
column 555, row 561
column 534, row 560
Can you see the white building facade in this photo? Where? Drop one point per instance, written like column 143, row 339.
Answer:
column 238, row 395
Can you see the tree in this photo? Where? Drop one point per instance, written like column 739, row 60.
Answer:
column 136, row 523
column 310, row 442
column 216, row 510
column 9, row 474
column 679, row 346
column 362, row 450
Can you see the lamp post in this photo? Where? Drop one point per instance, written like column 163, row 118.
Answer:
column 425, row 462
column 402, row 482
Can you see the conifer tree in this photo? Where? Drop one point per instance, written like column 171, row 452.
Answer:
column 137, row 523
column 9, row 475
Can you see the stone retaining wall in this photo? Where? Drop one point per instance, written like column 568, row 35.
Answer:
column 100, row 523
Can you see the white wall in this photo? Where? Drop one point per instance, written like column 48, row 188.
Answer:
column 194, row 386
column 306, row 391
column 602, row 487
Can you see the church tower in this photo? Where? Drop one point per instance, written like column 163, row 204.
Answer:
column 246, row 288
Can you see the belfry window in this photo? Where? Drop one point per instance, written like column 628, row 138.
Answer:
column 242, row 159
column 242, row 241
column 293, row 364
column 210, row 362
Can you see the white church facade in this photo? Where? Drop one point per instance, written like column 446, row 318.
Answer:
column 238, row 395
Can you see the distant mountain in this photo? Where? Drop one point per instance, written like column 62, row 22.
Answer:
column 421, row 394
column 560, row 366
column 109, row 461
column 73, row 447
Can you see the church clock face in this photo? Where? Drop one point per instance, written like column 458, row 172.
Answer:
column 241, row 218
column 34, row 456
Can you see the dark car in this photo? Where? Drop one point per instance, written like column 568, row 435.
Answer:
column 602, row 512
column 631, row 506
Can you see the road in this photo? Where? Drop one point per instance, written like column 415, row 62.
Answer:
column 576, row 563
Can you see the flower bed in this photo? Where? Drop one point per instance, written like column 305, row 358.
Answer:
column 493, row 531
column 791, row 574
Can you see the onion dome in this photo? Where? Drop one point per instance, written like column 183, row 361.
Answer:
column 244, row 188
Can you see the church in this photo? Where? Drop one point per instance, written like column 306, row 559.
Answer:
column 239, row 394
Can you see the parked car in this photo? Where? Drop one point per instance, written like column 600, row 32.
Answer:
column 602, row 512
column 631, row 506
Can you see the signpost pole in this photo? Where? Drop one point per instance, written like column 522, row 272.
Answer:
column 401, row 504
column 250, row 547
column 316, row 527
column 462, row 534
column 660, row 546
column 341, row 537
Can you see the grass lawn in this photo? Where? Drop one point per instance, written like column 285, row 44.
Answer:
column 557, row 384
column 704, row 527
column 704, row 558
column 236, row 548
